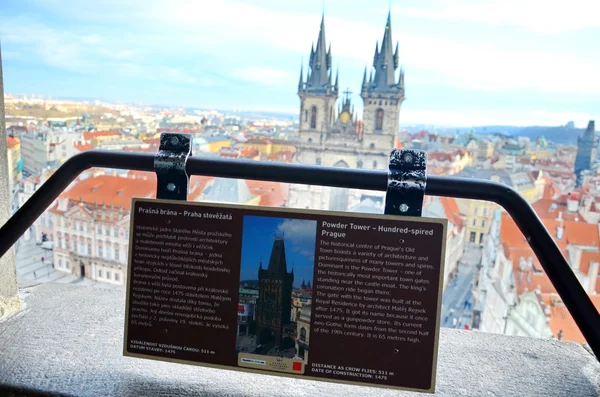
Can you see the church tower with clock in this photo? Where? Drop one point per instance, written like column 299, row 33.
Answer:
column 336, row 137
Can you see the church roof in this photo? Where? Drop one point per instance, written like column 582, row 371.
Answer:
column 385, row 62
column 318, row 77
column 228, row 190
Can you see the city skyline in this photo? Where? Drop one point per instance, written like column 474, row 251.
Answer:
column 465, row 65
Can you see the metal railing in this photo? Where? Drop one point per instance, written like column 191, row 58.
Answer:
column 555, row 265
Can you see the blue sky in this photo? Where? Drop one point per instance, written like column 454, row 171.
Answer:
column 467, row 62
column 257, row 242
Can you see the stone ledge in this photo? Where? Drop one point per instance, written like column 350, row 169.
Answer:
column 68, row 341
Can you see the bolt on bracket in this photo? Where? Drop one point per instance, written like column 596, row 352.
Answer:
column 407, row 178
column 169, row 165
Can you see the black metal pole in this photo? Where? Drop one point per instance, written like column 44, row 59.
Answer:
column 556, row 267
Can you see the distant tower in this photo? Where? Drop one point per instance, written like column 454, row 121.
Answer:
column 382, row 96
column 273, row 308
column 586, row 151
column 317, row 94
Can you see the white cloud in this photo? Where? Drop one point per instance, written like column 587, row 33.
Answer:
column 542, row 16
column 460, row 64
column 298, row 230
column 302, row 234
column 263, row 75
column 478, row 117
column 492, row 69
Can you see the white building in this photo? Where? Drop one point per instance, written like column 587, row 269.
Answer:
column 493, row 284
column 529, row 317
column 40, row 148
column 91, row 226
column 43, row 225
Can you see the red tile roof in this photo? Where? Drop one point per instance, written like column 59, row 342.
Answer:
column 561, row 320
column 110, row 190
column 82, row 147
column 586, row 258
column 272, row 194
column 577, row 233
column 452, row 211
column 550, row 209
column 100, row 134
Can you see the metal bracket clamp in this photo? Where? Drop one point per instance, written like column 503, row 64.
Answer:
column 407, row 178
column 169, row 165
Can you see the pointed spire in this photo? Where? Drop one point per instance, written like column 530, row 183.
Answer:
column 301, row 81
column 337, row 80
column 590, row 131
column 376, row 56
column 385, row 61
column 401, row 79
column 371, row 77
column 319, row 80
column 364, row 82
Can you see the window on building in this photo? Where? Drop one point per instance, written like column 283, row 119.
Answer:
column 475, row 211
column 100, row 273
column 80, row 226
column 59, row 242
column 60, row 263
column 89, row 249
column 116, row 232
column 117, row 277
column 483, row 223
column 100, row 253
column 117, row 256
column 303, row 334
column 485, row 212
column 481, row 238
column 67, row 264
column 379, row 119
column 108, row 275
column 374, row 164
column 313, row 117
column 74, row 246
column 106, row 231
column 474, row 221
column 472, row 237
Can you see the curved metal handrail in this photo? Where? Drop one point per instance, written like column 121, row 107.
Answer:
column 555, row 265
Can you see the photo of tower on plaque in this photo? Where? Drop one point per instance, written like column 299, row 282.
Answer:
column 275, row 293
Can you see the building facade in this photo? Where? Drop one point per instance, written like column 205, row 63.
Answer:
column 274, row 304
column 90, row 227
column 15, row 163
column 586, row 151
column 48, row 146
column 332, row 135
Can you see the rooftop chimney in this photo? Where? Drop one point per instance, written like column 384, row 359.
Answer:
column 559, row 231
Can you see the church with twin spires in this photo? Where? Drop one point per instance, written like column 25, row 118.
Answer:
column 330, row 132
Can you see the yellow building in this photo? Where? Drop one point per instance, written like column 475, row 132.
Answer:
column 268, row 147
column 15, row 164
column 215, row 143
column 479, row 213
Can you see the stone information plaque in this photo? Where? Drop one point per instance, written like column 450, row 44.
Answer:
column 342, row 297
